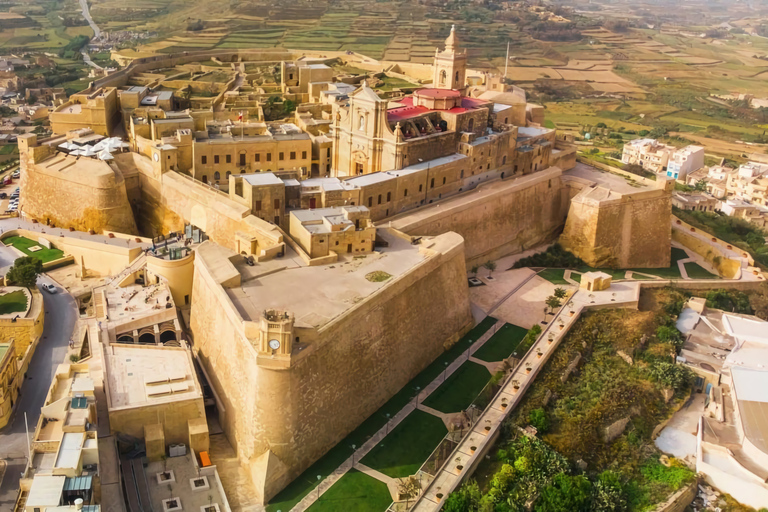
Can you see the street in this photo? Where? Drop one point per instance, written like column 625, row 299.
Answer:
column 60, row 316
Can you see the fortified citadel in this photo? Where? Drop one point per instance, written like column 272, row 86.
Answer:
column 326, row 244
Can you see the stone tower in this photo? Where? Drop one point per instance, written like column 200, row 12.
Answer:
column 450, row 67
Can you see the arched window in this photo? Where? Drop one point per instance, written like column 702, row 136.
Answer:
column 362, row 123
column 471, row 125
column 506, row 120
column 504, row 160
column 457, row 78
column 216, row 176
column 443, row 77
column 205, row 178
column 228, row 173
column 389, row 196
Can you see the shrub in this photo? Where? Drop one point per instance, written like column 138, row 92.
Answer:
column 24, row 271
column 643, row 133
column 554, row 256
column 539, row 419
column 566, row 494
column 670, row 375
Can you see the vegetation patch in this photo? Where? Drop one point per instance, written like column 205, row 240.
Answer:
column 377, row 276
column 23, row 244
column 354, row 491
column 14, row 302
column 502, row 344
column 554, row 275
column 621, row 474
column 460, row 389
column 408, row 445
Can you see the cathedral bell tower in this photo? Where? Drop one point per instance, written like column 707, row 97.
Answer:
column 450, row 67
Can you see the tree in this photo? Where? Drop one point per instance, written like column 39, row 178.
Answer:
column 24, row 271
column 552, row 302
column 566, row 494
column 467, row 498
column 32, row 99
column 490, row 265
column 560, row 293
column 408, row 488
column 474, row 270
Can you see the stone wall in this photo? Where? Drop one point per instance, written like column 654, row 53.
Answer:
column 281, row 420
column 680, row 500
column 608, row 229
column 498, row 218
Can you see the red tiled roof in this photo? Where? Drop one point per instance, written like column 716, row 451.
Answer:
column 401, row 113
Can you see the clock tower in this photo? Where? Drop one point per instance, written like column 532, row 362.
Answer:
column 276, row 333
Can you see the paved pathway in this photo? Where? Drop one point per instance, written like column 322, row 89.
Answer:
column 60, row 316
column 17, row 223
column 362, row 451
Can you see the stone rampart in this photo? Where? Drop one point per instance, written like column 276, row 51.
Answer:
column 281, row 419
column 608, row 229
column 498, row 218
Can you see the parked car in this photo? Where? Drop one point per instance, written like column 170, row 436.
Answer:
column 16, row 174
column 3, row 195
column 7, row 180
column 49, row 288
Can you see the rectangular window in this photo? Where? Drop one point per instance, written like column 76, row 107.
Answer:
column 269, row 157
column 216, row 159
column 204, row 160
column 258, row 206
column 303, row 155
column 258, row 157
column 328, row 154
column 277, row 204
column 229, row 159
column 293, row 155
column 281, row 156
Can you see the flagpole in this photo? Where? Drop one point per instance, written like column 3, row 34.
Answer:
column 506, row 62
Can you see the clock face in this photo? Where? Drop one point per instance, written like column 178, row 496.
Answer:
column 274, row 344
column 157, row 157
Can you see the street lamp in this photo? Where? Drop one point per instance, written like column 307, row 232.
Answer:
column 418, row 392
column 387, row 424
column 354, row 447
column 445, row 372
column 319, row 477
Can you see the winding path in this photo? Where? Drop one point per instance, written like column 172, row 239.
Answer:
column 96, row 33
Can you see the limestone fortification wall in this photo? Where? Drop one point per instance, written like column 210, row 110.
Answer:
column 90, row 196
column 607, row 229
column 173, row 199
column 282, row 420
column 498, row 218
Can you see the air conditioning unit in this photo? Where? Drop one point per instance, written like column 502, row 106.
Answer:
column 177, row 450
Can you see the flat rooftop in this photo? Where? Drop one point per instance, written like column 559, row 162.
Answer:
column 318, row 294
column 262, row 178
column 140, row 375
column 751, row 389
column 615, row 182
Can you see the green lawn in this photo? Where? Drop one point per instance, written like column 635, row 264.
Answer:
column 354, row 492
column 407, row 446
column 460, row 389
column 307, row 481
column 502, row 344
column 554, row 275
column 673, row 271
column 23, row 244
column 696, row 271
column 14, row 302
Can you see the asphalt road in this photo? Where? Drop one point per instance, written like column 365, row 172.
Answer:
column 60, row 316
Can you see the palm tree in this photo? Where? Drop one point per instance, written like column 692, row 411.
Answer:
column 560, row 293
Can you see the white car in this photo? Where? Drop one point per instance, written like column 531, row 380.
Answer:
column 49, row 288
